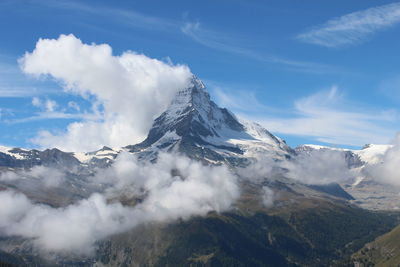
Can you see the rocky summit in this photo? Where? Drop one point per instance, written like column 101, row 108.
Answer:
column 194, row 125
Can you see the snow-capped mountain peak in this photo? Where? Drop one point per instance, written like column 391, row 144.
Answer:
column 193, row 124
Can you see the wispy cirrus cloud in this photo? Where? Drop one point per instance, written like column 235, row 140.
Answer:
column 328, row 117
column 222, row 42
column 130, row 18
column 7, row 68
column 55, row 115
column 51, row 109
column 209, row 38
column 13, row 84
column 18, row 91
column 353, row 28
column 238, row 97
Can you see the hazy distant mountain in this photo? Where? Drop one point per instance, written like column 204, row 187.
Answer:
column 369, row 192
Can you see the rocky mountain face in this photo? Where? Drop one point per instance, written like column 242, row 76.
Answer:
column 192, row 125
column 23, row 158
column 195, row 126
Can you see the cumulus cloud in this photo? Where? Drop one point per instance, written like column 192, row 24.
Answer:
column 36, row 102
column 173, row 187
column 48, row 105
column 127, row 91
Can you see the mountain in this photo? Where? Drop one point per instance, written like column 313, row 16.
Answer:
column 19, row 157
column 194, row 125
column 369, row 154
column 14, row 158
column 307, row 225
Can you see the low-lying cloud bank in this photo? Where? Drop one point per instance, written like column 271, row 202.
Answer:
column 173, row 187
column 387, row 170
column 127, row 91
column 48, row 177
column 321, row 166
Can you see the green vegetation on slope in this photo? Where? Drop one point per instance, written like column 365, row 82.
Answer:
column 383, row 252
column 320, row 235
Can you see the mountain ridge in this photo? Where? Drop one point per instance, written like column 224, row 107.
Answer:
column 297, row 230
column 194, row 125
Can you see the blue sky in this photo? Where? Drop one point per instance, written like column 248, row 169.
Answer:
column 324, row 72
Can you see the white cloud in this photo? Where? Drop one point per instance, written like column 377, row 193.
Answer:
column 50, row 105
column 240, row 100
column 13, row 91
column 14, row 84
column 260, row 170
column 267, row 196
column 387, row 170
column 321, row 166
column 50, row 109
column 48, row 177
column 130, row 90
column 328, row 117
column 223, row 42
column 47, row 105
column 128, row 17
column 353, row 28
column 173, row 187
column 71, row 229
column 45, row 115
column 212, row 39
column 36, row 102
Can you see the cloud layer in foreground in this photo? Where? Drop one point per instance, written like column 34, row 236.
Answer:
column 174, row 187
column 353, row 28
column 319, row 167
column 129, row 90
column 387, row 170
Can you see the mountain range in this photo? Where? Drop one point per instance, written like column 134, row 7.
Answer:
column 306, row 224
